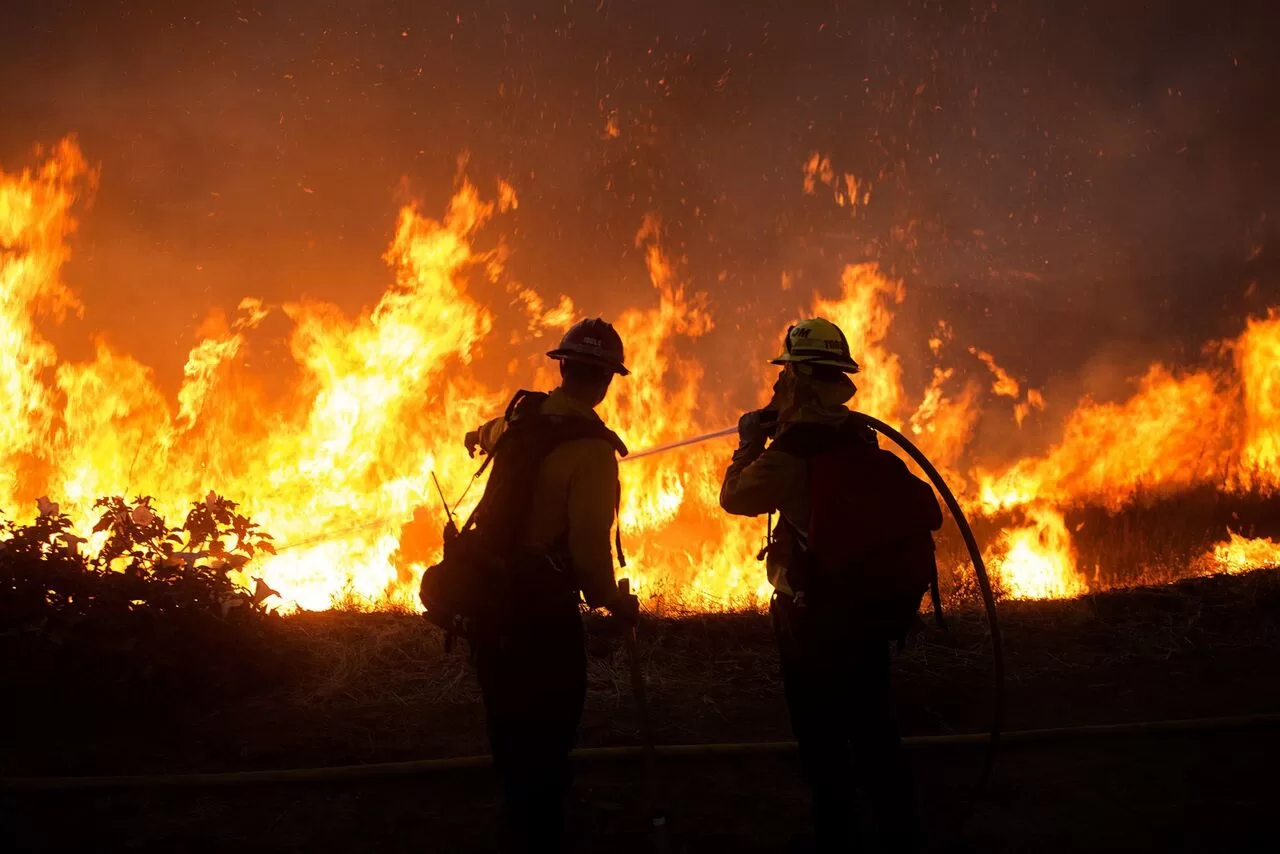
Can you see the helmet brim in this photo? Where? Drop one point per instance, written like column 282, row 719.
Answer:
column 849, row 367
column 587, row 359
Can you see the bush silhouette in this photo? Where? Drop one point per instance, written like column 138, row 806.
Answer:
column 155, row 615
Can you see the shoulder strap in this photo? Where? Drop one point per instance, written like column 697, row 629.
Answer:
column 535, row 435
column 805, row 440
column 528, row 404
column 808, row 440
column 523, row 402
column 570, row 427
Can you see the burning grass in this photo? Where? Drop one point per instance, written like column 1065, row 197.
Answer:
column 377, row 403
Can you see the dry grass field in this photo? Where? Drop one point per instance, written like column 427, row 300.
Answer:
column 351, row 688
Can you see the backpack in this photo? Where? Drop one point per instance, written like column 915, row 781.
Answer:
column 486, row 582
column 869, row 546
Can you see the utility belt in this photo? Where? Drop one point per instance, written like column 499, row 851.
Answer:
column 878, row 593
column 541, row 583
column 817, row 629
column 479, row 596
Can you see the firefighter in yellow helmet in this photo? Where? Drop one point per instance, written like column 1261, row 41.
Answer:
column 835, row 655
column 547, row 512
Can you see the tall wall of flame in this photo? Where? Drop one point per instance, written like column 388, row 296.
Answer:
column 335, row 465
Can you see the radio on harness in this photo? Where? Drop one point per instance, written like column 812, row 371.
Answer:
column 486, row 579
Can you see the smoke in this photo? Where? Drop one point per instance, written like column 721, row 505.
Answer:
column 1057, row 182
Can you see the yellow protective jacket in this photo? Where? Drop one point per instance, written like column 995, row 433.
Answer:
column 773, row 482
column 761, row 481
column 575, row 500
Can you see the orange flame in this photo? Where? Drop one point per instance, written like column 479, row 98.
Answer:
column 335, row 466
column 1037, row 561
column 1241, row 554
column 846, row 189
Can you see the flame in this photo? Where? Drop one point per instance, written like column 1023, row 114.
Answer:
column 35, row 220
column 1036, row 561
column 1258, row 363
column 846, row 189
column 1005, row 385
column 337, row 463
column 1169, row 435
column 864, row 311
column 1241, row 554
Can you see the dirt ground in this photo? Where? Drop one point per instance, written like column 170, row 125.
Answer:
column 376, row 687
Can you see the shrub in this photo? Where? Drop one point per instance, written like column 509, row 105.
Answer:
column 154, row 615
column 143, row 564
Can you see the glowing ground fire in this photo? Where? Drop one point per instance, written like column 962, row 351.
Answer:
column 381, row 401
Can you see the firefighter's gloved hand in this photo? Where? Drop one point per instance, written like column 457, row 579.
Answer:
column 625, row 608
column 472, row 441
column 754, row 429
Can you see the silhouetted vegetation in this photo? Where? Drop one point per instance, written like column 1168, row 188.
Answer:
column 153, row 615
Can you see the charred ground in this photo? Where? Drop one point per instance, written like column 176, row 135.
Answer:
column 347, row 687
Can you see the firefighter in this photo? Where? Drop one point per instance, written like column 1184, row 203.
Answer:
column 533, row 674
column 835, row 662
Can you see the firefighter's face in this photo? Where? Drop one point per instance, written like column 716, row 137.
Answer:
column 796, row 387
column 587, row 384
column 780, row 381
column 600, row 389
column 784, row 389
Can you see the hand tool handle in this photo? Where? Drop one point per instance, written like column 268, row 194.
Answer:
column 657, row 812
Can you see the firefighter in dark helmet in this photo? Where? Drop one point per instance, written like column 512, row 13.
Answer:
column 532, row 668
column 833, row 637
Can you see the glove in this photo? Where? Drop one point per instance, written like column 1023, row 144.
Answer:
column 472, row 441
column 754, row 428
column 625, row 608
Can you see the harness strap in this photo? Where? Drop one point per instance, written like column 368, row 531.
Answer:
column 530, row 401
column 617, row 530
column 471, row 519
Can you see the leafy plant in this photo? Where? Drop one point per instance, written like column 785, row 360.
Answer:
column 143, row 564
column 157, row 611
column 41, row 569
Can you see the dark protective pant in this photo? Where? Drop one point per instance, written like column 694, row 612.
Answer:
column 837, row 689
column 534, row 685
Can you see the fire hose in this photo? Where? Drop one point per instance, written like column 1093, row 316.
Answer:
column 386, row 521
column 984, row 586
column 971, row 544
column 671, row 446
column 979, row 570
column 416, row 767
column 649, row 752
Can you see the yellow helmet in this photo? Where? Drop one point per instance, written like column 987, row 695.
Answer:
column 817, row 341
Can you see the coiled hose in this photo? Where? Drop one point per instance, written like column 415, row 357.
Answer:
column 980, row 571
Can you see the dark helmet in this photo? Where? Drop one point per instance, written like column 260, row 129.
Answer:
column 592, row 341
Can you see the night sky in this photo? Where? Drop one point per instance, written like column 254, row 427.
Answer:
column 1066, row 182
